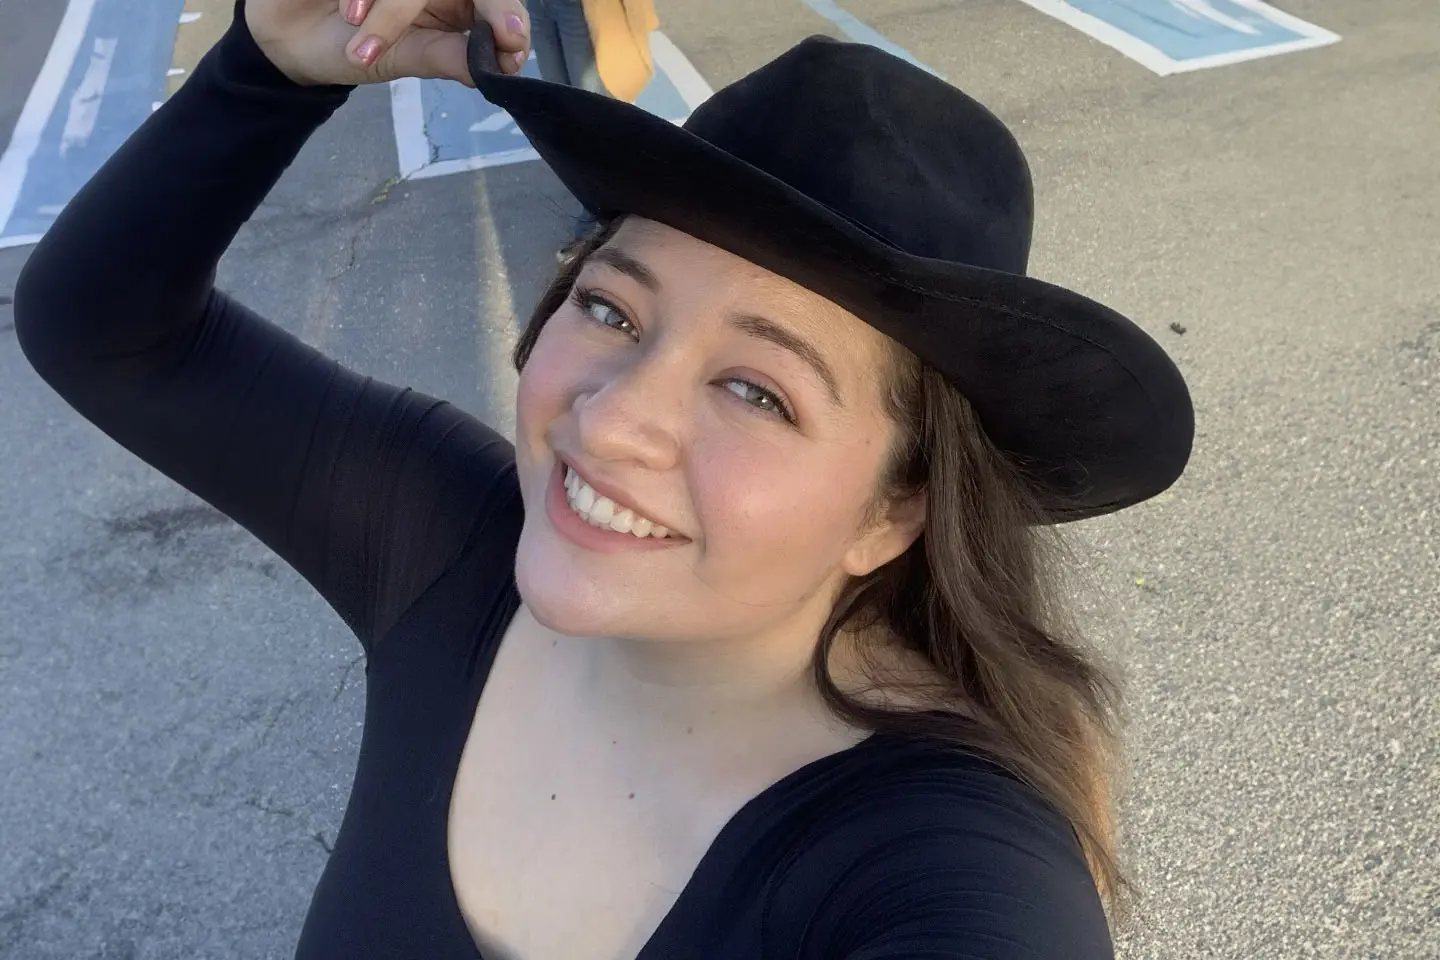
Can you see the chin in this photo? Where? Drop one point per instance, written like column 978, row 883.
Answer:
column 561, row 594
column 585, row 590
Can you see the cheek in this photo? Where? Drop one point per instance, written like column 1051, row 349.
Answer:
column 778, row 520
column 544, row 386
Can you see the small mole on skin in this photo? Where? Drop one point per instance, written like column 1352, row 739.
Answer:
column 632, row 796
column 552, row 796
column 689, row 730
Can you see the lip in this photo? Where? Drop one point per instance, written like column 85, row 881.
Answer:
column 569, row 525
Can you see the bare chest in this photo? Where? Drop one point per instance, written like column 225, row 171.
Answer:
column 558, row 846
column 564, row 842
column 553, row 867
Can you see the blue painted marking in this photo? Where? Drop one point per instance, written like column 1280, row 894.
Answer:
column 1186, row 30
column 137, row 41
column 861, row 33
column 462, row 125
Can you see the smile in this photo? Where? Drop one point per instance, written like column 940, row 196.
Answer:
column 601, row 511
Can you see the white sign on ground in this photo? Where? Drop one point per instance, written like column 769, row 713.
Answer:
column 104, row 71
column 1177, row 36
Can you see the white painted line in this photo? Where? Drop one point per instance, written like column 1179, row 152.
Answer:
column 407, row 113
column 25, row 240
column 1290, row 21
column 412, row 142
column 1114, row 37
column 1242, row 56
column 1156, row 61
column 682, row 73
column 443, row 168
column 50, row 209
column 1201, row 9
column 40, row 104
column 190, row 17
column 174, row 71
column 156, row 105
column 85, row 102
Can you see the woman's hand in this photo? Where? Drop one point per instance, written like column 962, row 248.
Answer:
column 372, row 41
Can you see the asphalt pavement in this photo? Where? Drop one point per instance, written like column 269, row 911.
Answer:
column 179, row 715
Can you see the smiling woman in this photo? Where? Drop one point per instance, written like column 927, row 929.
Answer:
column 970, row 593
column 746, row 647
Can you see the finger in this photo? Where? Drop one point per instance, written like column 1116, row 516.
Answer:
column 354, row 11
column 510, row 22
column 385, row 22
column 429, row 53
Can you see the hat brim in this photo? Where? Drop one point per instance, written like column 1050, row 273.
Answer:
column 1085, row 402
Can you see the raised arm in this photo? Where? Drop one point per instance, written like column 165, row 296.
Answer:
column 367, row 490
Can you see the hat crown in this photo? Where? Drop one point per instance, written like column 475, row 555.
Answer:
column 896, row 151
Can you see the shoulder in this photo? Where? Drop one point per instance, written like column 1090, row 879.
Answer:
column 926, row 851
column 463, row 479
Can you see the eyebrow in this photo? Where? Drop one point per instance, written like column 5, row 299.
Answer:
column 750, row 324
column 624, row 263
column 771, row 332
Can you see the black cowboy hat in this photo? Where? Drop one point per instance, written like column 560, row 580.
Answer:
column 891, row 193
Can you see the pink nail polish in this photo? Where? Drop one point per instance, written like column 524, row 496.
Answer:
column 355, row 13
column 368, row 50
column 516, row 25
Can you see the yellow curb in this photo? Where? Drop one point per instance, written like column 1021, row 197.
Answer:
column 194, row 38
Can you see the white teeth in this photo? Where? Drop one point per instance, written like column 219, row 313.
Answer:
column 584, row 498
column 601, row 511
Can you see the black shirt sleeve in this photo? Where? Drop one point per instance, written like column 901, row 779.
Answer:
column 945, row 861
column 969, row 895
column 366, row 489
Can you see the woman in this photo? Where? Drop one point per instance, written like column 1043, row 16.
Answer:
column 755, row 601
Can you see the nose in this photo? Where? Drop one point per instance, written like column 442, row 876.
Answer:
column 634, row 417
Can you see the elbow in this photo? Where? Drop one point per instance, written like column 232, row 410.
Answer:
column 39, row 309
column 55, row 309
column 30, row 309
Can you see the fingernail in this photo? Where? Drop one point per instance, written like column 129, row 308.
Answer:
column 368, row 50
column 519, row 60
column 516, row 25
column 355, row 13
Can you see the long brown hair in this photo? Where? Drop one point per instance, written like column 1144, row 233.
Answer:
column 976, row 597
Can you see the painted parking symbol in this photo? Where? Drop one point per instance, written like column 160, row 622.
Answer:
column 1178, row 36
column 104, row 72
column 442, row 127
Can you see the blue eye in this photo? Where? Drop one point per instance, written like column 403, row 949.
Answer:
column 607, row 314
column 759, row 398
column 602, row 311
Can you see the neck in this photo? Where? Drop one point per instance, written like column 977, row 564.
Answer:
column 700, row 680
column 653, row 690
